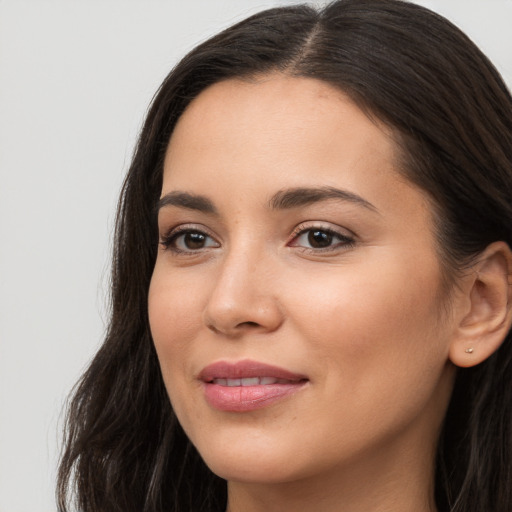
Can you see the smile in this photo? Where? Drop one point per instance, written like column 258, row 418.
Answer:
column 247, row 385
column 250, row 381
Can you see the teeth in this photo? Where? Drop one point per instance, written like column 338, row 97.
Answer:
column 249, row 381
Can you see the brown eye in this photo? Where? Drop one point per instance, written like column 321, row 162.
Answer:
column 318, row 239
column 194, row 240
column 188, row 241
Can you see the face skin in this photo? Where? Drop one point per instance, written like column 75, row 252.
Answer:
column 355, row 308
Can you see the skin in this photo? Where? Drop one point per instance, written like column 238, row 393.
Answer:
column 364, row 320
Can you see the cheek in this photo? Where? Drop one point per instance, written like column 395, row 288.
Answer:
column 170, row 327
column 173, row 322
column 377, row 348
column 174, row 317
column 373, row 322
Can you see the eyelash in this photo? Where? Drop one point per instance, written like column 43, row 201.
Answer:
column 169, row 241
column 345, row 241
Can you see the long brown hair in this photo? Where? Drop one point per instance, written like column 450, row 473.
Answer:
column 452, row 117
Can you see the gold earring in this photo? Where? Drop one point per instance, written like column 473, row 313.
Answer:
column 469, row 350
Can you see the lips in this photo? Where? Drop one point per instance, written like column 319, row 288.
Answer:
column 250, row 381
column 247, row 385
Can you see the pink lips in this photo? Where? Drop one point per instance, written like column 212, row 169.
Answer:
column 247, row 385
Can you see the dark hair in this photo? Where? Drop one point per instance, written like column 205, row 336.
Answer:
column 451, row 115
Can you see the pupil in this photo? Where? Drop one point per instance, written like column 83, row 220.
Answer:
column 319, row 239
column 194, row 240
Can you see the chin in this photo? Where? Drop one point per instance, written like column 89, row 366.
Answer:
column 254, row 462
column 256, row 472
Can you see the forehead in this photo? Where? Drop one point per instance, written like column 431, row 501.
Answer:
column 280, row 113
column 279, row 131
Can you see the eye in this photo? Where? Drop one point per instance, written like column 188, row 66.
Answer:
column 317, row 238
column 188, row 240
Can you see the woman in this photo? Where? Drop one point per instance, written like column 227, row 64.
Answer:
column 311, row 302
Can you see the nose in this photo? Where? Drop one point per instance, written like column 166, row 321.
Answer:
column 244, row 298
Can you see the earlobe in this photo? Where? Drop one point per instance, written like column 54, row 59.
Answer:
column 488, row 316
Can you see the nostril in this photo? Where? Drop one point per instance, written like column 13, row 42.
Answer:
column 248, row 324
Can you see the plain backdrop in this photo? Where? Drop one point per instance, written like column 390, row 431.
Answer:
column 76, row 77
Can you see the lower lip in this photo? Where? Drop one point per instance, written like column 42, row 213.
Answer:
column 248, row 398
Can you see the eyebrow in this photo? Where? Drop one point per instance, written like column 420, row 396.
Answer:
column 281, row 200
column 302, row 196
column 186, row 200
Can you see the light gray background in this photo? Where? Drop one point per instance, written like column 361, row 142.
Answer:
column 75, row 79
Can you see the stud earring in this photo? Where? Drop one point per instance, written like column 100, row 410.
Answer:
column 469, row 350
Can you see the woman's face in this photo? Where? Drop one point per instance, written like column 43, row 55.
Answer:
column 296, row 299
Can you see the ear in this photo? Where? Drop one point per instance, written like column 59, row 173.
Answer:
column 485, row 316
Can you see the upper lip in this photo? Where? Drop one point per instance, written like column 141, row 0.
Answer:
column 246, row 369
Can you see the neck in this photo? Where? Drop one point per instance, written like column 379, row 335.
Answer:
column 361, row 495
